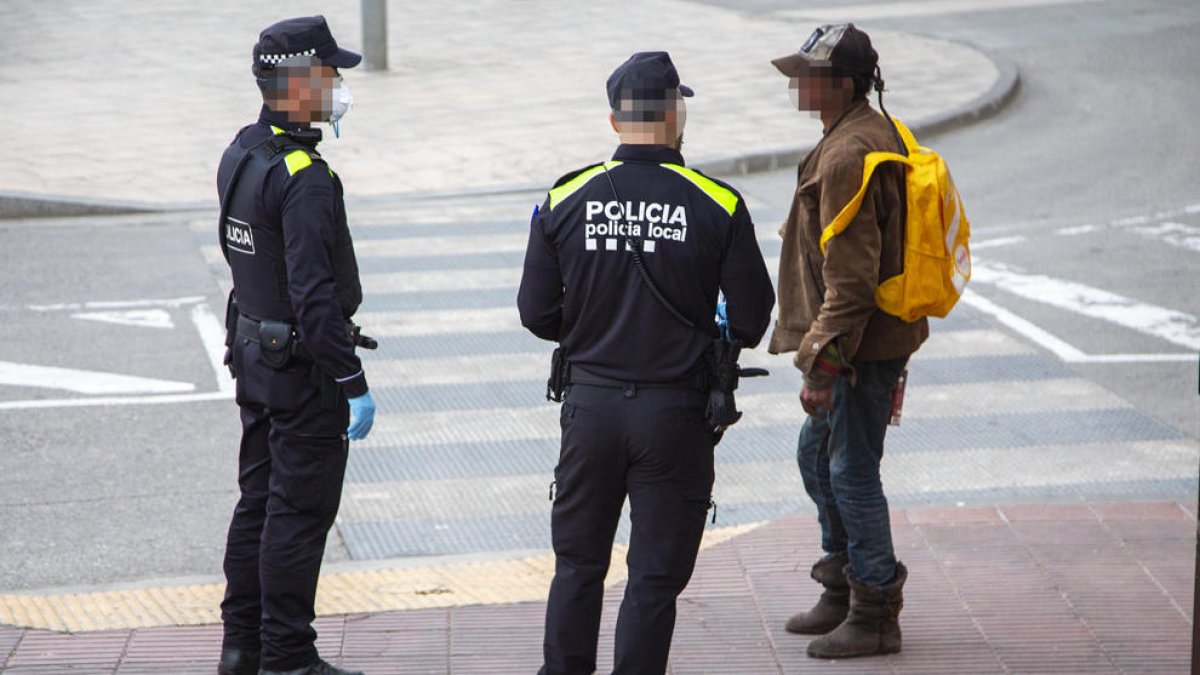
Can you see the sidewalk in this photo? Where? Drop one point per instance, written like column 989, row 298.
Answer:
column 1070, row 588
column 134, row 102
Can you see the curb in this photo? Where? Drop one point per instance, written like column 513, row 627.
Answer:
column 989, row 103
column 15, row 205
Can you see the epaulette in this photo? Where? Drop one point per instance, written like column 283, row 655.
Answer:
column 567, row 177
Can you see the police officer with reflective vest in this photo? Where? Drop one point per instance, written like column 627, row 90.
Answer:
column 300, row 387
column 636, row 372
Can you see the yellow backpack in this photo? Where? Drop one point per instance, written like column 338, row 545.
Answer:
column 937, row 260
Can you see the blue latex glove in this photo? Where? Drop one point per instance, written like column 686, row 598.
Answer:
column 723, row 322
column 362, row 416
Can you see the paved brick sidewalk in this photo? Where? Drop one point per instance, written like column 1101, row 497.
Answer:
column 135, row 101
column 1068, row 588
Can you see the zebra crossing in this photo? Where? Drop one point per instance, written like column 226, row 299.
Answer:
column 464, row 447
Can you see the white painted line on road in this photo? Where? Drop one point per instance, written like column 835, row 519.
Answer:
column 138, row 318
column 114, row 401
column 996, row 243
column 466, row 370
column 1166, row 324
column 743, row 483
column 118, row 304
column 1058, row 347
column 415, row 247
column 85, row 381
column 899, row 10
column 1174, row 234
column 539, row 421
column 440, row 322
column 212, row 334
column 1075, row 231
column 442, row 280
column 970, row 343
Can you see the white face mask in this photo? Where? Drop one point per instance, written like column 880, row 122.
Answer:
column 342, row 100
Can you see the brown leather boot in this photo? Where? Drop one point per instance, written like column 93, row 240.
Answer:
column 872, row 626
column 834, row 603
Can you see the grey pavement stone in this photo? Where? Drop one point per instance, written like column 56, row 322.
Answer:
column 468, row 104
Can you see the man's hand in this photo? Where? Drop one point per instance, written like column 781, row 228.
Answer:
column 815, row 401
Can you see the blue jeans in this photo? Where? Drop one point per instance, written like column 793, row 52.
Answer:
column 839, row 453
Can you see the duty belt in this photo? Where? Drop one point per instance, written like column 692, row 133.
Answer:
column 249, row 328
column 697, row 382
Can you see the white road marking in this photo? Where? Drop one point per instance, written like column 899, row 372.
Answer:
column 1174, row 234
column 773, row 481
column 1063, row 350
column 968, row 343
column 442, row 280
column 412, row 247
column 1166, row 324
column 440, row 322
column 139, row 318
column 1160, row 226
column 85, row 381
column 212, row 334
column 896, row 10
column 118, row 304
column 538, row 421
column 1075, row 231
column 115, row 400
column 996, row 243
column 473, row 369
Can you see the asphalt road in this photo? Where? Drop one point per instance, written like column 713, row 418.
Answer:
column 1064, row 188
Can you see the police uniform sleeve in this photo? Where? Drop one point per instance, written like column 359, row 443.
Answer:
column 745, row 281
column 308, row 239
column 540, row 296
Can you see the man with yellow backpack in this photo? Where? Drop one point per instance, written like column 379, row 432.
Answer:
column 875, row 242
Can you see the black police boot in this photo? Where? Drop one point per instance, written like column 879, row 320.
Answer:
column 318, row 668
column 238, row 661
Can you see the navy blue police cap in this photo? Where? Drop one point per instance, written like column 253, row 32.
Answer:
column 645, row 76
column 302, row 36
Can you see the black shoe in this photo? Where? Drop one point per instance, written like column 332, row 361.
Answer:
column 318, row 668
column 238, row 661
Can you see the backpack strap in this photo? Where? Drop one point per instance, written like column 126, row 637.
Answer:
column 873, row 159
column 842, row 220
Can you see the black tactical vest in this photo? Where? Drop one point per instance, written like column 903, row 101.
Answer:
column 251, row 231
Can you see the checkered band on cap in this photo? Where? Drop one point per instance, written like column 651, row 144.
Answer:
column 275, row 59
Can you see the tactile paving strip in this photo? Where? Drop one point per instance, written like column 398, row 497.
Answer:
column 473, row 583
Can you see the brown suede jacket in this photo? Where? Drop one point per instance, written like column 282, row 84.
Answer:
column 831, row 297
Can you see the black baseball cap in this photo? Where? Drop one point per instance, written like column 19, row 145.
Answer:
column 302, row 36
column 840, row 46
column 645, row 76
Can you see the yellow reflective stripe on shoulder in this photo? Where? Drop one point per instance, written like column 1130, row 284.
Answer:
column 570, row 187
column 720, row 194
column 297, row 160
column 276, row 130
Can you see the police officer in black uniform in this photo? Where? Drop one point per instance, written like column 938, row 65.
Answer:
column 633, row 418
column 300, row 386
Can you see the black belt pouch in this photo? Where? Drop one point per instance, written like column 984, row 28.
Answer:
column 275, row 340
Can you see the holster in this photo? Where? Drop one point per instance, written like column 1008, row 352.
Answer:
column 722, row 411
column 560, row 376
column 231, row 322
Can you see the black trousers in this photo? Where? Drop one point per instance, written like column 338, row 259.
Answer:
column 290, row 471
column 653, row 445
